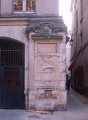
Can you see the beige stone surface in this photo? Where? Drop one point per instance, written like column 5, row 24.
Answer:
column 44, row 69
column 47, row 67
column 49, row 74
column 63, row 96
column 48, row 47
column 62, row 67
column 63, row 47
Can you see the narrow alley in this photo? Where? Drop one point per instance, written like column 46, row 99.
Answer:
column 77, row 109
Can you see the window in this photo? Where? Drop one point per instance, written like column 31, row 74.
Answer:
column 24, row 5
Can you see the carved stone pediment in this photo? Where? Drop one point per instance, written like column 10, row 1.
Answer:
column 47, row 29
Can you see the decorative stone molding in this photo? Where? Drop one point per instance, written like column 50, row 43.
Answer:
column 46, row 28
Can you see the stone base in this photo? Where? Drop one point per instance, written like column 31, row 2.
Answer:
column 59, row 107
column 52, row 102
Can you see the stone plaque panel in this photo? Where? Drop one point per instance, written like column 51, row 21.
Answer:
column 48, row 47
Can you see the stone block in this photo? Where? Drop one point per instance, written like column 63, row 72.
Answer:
column 63, row 97
column 63, row 48
column 63, row 76
column 45, row 104
column 47, row 58
column 62, row 57
column 49, row 76
column 32, row 94
column 62, row 67
column 62, row 85
column 50, row 48
column 47, row 67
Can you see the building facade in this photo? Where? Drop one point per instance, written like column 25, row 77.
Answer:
column 68, row 53
column 79, row 57
column 32, row 55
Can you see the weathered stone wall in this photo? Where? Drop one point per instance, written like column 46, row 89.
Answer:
column 45, row 55
column 41, row 7
column 47, row 79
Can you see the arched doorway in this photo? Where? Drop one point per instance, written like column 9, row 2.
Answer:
column 11, row 74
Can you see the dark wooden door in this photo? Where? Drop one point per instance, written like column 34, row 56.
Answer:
column 12, row 77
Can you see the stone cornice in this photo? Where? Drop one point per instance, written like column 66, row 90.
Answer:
column 36, row 37
column 48, row 28
column 29, row 15
column 13, row 21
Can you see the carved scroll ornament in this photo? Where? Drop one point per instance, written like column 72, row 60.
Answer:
column 45, row 29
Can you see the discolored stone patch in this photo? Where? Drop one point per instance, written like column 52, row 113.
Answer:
column 34, row 116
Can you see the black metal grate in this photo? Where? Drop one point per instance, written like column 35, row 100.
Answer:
column 12, row 56
column 11, row 60
column 11, row 74
column 12, row 77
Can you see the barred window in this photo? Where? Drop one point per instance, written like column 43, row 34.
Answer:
column 24, row 5
column 18, row 5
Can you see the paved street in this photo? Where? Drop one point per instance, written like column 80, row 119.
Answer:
column 76, row 110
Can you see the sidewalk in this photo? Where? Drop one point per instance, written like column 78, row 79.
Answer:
column 76, row 110
column 79, row 96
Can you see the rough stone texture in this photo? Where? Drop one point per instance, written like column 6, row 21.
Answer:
column 44, row 70
column 43, row 35
column 49, row 75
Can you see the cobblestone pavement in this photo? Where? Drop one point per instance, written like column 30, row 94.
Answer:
column 76, row 110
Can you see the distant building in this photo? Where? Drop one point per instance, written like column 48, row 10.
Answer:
column 32, row 55
column 68, row 57
column 79, row 49
column 68, row 53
